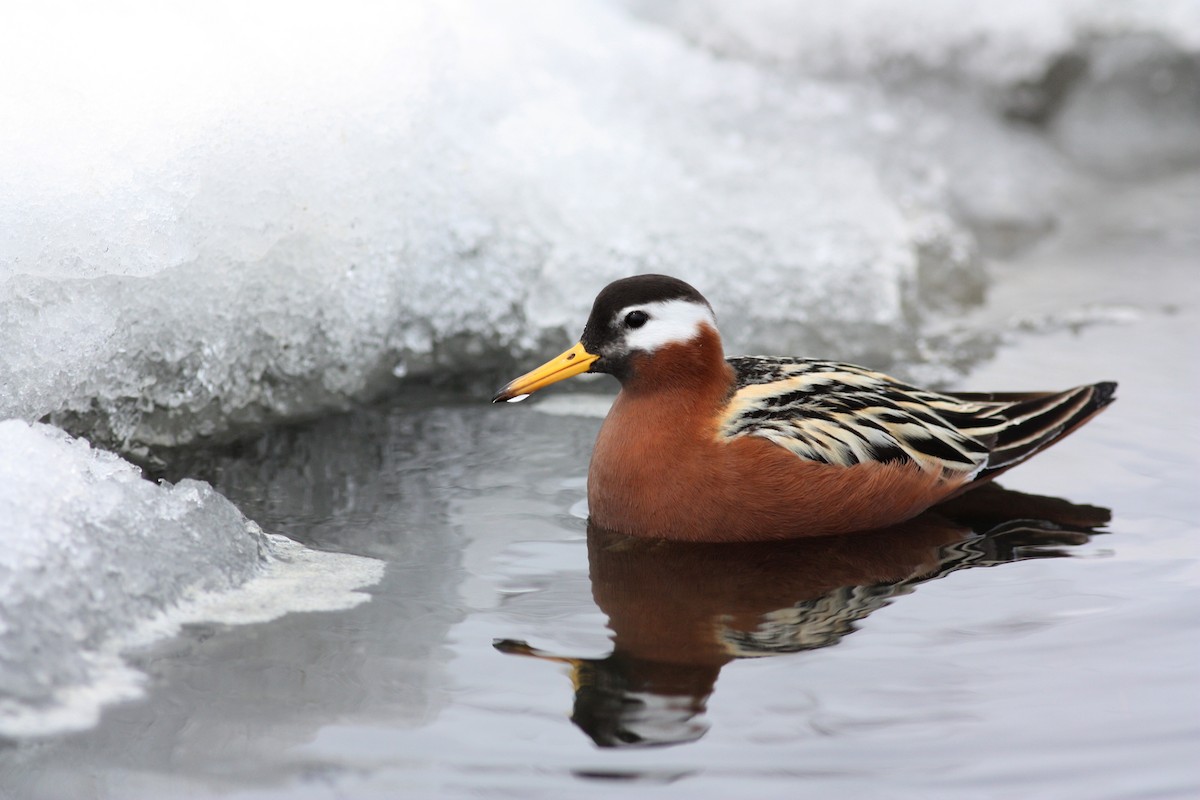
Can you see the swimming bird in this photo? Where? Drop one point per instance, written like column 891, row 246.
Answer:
column 697, row 447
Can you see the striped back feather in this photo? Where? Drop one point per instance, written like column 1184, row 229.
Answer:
column 843, row 414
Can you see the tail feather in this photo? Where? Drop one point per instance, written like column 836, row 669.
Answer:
column 1026, row 431
column 1032, row 422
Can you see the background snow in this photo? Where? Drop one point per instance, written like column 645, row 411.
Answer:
column 994, row 45
column 216, row 217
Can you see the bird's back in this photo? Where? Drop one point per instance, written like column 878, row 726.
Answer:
column 841, row 414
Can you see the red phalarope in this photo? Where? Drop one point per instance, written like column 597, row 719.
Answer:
column 698, row 447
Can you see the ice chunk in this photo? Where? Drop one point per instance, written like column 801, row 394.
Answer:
column 1144, row 95
column 993, row 44
column 433, row 186
column 1112, row 86
column 93, row 559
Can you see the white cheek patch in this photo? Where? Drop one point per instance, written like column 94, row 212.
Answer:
column 671, row 322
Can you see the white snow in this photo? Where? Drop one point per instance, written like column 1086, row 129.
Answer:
column 1007, row 98
column 216, row 216
column 996, row 44
column 94, row 559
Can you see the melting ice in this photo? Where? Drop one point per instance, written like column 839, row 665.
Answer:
column 96, row 559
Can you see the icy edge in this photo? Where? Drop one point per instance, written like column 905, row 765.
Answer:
column 294, row 579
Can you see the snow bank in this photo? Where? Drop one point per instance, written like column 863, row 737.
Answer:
column 216, row 216
column 1016, row 103
column 1115, row 81
column 995, row 44
column 94, row 559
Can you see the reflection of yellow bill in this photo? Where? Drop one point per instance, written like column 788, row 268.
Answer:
column 573, row 362
column 515, row 647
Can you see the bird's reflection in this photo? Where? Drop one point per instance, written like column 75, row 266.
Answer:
column 679, row 612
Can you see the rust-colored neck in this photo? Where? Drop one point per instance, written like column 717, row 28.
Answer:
column 695, row 369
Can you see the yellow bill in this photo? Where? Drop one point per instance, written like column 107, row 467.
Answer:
column 573, row 362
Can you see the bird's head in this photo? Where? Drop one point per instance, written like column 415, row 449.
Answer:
column 631, row 320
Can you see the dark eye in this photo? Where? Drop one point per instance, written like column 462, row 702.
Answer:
column 636, row 319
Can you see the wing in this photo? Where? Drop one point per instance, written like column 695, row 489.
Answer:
column 843, row 414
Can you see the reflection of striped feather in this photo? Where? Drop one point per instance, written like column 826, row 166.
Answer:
column 823, row 621
column 842, row 414
column 809, row 625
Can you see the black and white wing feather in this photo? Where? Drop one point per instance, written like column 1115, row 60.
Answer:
column 842, row 414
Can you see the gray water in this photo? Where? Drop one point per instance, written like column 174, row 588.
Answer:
column 971, row 655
